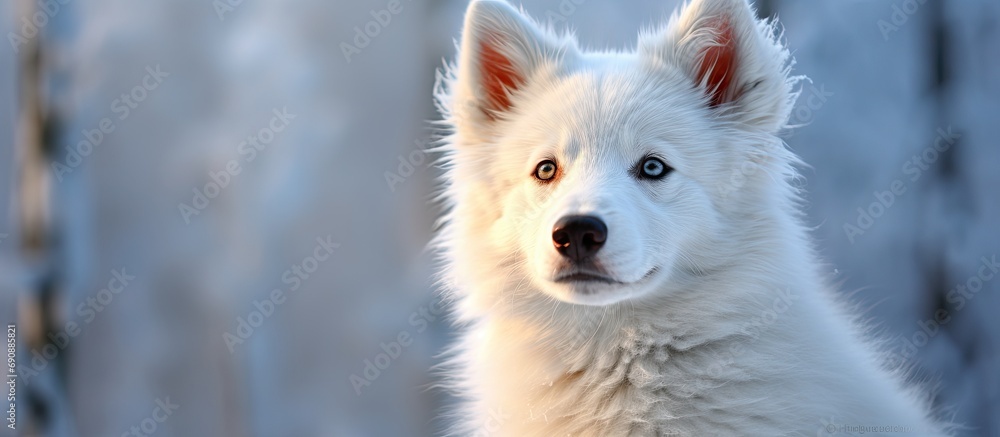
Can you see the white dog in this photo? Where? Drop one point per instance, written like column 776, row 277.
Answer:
column 623, row 244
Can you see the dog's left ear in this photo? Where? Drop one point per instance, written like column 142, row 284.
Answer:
column 735, row 60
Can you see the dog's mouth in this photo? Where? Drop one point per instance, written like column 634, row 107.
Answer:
column 586, row 277
column 591, row 276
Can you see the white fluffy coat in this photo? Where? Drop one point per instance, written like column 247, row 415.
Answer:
column 724, row 323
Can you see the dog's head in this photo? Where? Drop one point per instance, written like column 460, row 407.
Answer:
column 599, row 177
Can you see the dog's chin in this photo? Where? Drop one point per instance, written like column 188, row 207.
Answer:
column 598, row 289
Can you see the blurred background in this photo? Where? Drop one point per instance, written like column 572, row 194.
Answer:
column 213, row 213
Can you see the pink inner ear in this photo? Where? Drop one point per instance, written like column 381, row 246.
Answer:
column 718, row 64
column 497, row 74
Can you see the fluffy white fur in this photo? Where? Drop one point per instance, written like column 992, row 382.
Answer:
column 722, row 323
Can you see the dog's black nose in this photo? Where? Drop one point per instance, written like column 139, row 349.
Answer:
column 579, row 236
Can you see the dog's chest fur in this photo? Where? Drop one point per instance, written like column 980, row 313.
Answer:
column 637, row 380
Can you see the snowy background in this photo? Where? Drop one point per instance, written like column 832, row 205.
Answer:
column 179, row 85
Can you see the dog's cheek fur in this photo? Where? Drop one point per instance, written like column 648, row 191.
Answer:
column 688, row 230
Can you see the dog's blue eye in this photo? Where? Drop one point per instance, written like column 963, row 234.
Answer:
column 545, row 170
column 653, row 168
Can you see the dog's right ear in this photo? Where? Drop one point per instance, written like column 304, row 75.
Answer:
column 738, row 62
column 500, row 52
